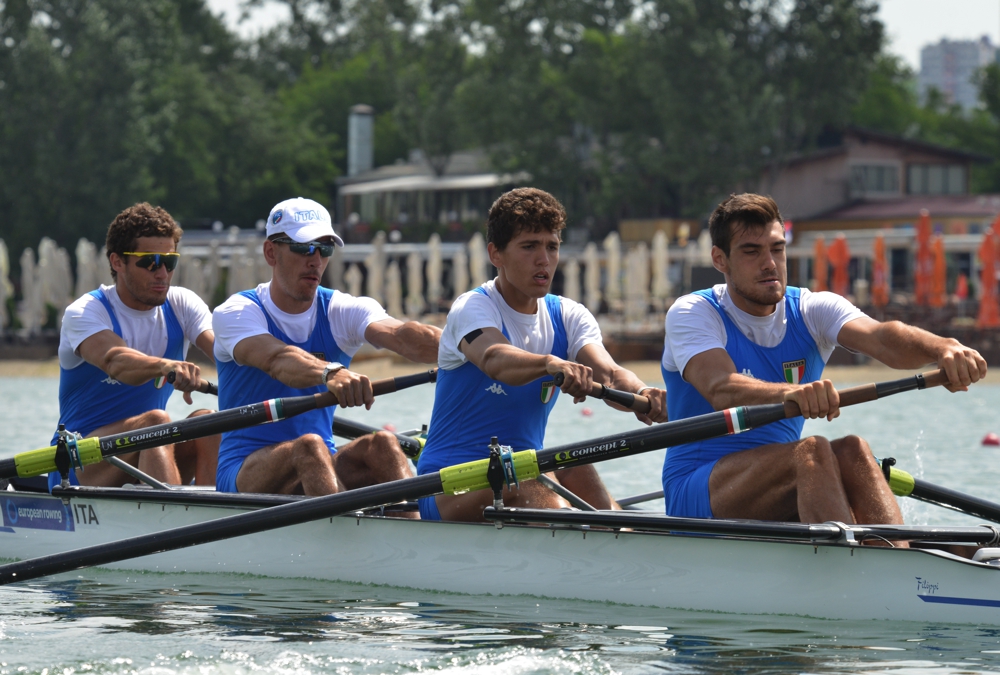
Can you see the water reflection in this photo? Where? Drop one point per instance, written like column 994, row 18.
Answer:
column 332, row 627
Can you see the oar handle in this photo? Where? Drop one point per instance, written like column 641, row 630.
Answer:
column 204, row 386
column 386, row 386
column 873, row 392
column 634, row 402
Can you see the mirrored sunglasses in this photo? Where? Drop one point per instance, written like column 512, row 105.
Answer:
column 325, row 250
column 152, row 261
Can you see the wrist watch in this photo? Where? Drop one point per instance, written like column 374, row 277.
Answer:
column 330, row 369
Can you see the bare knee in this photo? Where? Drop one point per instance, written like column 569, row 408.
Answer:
column 149, row 419
column 814, row 452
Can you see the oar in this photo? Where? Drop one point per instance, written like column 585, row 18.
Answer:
column 634, row 402
column 451, row 480
column 95, row 449
column 905, row 485
column 351, row 429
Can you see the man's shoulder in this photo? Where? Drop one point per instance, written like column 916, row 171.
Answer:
column 236, row 301
column 699, row 300
column 185, row 297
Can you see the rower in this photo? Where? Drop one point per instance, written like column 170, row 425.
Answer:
column 122, row 349
column 501, row 349
column 753, row 340
column 292, row 337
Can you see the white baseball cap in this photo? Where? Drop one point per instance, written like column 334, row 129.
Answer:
column 303, row 220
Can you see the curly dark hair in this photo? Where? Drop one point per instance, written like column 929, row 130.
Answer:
column 750, row 211
column 523, row 209
column 139, row 220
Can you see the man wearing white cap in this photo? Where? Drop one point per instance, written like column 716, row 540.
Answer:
column 292, row 337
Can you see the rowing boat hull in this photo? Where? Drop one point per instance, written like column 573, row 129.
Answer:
column 722, row 574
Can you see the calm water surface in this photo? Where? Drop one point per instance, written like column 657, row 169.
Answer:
column 114, row 622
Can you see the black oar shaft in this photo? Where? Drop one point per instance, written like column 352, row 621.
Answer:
column 352, row 429
column 942, row 496
column 41, row 461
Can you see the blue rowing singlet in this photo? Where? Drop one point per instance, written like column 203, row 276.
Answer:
column 243, row 385
column 795, row 359
column 470, row 407
column 89, row 398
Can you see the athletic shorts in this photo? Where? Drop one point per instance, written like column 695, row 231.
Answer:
column 687, row 496
column 428, row 509
column 225, row 477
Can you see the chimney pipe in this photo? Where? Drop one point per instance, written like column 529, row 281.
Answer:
column 360, row 139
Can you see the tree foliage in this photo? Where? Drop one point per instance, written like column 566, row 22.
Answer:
column 622, row 108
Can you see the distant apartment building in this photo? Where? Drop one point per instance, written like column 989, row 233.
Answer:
column 950, row 67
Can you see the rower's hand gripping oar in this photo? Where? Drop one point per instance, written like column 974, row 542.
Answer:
column 458, row 479
column 86, row 451
column 204, row 386
column 633, row 402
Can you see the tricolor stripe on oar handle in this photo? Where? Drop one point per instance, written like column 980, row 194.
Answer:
column 95, row 449
column 452, row 480
column 634, row 402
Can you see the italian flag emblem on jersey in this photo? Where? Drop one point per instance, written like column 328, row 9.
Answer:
column 794, row 371
column 548, row 389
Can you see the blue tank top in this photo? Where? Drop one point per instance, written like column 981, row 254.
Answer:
column 242, row 385
column 470, row 407
column 795, row 359
column 89, row 398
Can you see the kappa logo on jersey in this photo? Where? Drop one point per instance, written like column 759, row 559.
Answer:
column 495, row 388
column 794, row 371
column 746, row 373
column 276, row 218
column 110, row 380
column 548, row 390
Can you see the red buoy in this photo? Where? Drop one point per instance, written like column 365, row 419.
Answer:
column 389, row 426
column 991, row 439
column 586, row 412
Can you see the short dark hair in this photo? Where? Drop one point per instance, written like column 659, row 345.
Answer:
column 751, row 211
column 523, row 209
column 139, row 220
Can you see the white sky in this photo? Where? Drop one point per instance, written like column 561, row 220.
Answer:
column 911, row 24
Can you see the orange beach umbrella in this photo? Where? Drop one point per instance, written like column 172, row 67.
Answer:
column 880, row 274
column 939, row 273
column 840, row 258
column 989, row 310
column 924, row 271
column 819, row 264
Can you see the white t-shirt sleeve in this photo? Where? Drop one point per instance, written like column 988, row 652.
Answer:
column 693, row 326
column 470, row 311
column 86, row 316
column 235, row 320
column 350, row 317
column 191, row 311
column 582, row 328
column 824, row 314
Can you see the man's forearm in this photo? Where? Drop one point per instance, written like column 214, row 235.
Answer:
column 908, row 347
column 131, row 367
column 510, row 365
column 417, row 342
column 739, row 390
column 296, row 368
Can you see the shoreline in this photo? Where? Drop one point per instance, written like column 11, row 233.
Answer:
column 382, row 367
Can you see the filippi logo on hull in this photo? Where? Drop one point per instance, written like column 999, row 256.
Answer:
column 37, row 513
